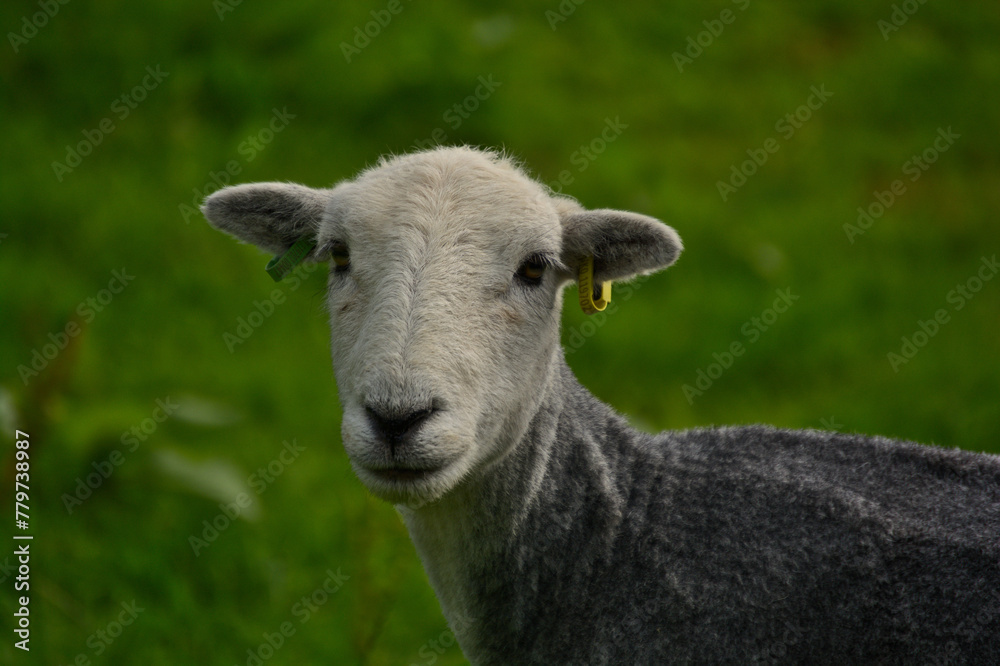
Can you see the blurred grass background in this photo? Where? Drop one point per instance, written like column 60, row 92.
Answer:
column 230, row 64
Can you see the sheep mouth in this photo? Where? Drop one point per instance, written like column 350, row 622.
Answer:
column 404, row 474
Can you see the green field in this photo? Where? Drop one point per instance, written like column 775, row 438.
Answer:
column 159, row 374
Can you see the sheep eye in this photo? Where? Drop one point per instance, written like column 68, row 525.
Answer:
column 341, row 257
column 532, row 269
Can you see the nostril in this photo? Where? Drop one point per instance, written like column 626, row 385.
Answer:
column 395, row 425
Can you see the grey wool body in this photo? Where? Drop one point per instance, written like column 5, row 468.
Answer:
column 550, row 530
column 739, row 545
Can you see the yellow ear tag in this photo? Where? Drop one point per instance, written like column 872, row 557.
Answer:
column 586, row 288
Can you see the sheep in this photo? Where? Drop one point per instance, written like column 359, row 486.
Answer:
column 551, row 531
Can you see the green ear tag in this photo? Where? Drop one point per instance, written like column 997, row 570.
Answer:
column 282, row 264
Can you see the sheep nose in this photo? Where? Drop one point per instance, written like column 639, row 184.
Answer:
column 396, row 426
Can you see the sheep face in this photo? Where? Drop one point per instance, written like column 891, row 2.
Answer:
column 444, row 293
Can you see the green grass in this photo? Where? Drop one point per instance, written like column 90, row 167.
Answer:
column 823, row 363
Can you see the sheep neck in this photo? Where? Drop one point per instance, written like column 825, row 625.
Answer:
column 483, row 526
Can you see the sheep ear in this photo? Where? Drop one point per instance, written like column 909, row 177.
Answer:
column 622, row 244
column 271, row 216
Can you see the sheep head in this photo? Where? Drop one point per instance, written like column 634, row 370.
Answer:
column 444, row 293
